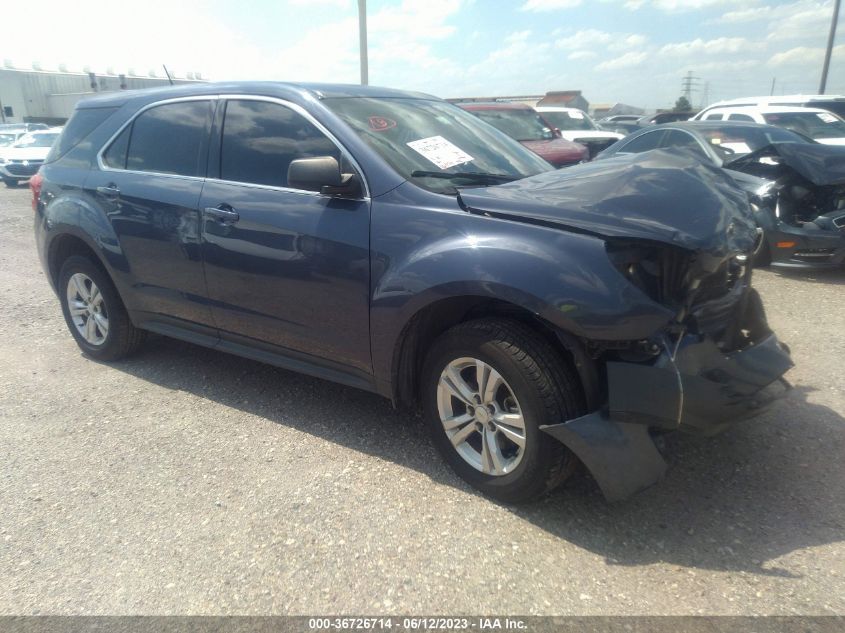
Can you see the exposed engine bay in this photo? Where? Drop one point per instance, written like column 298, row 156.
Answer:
column 806, row 192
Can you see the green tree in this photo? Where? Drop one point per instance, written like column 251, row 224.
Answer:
column 683, row 104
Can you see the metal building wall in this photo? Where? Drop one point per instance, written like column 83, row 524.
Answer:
column 51, row 96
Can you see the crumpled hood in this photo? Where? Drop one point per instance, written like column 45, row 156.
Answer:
column 820, row 164
column 670, row 197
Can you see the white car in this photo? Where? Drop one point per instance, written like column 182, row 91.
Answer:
column 831, row 103
column 576, row 125
column 21, row 160
column 820, row 125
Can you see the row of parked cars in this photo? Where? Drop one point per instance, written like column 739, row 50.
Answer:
column 393, row 242
column 23, row 148
column 786, row 152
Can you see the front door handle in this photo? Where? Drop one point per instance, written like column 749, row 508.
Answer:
column 109, row 191
column 223, row 212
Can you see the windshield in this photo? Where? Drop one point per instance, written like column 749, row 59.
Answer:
column 522, row 125
column 37, row 140
column 732, row 142
column 431, row 142
column 816, row 125
column 569, row 119
column 7, row 139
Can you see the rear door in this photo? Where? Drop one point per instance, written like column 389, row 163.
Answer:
column 149, row 181
column 286, row 268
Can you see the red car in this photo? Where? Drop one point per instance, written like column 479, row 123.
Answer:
column 526, row 125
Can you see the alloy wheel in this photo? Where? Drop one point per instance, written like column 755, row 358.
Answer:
column 87, row 309
column 481, row 416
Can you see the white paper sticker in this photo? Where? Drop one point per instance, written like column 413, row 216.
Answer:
column 575, row 114
column 440, row 151
column 827, row 117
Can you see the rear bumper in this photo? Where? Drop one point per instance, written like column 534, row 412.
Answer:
column 693, row 387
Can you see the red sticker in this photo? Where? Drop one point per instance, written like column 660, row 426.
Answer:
column 380, row 123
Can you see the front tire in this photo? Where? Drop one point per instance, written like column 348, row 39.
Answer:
column 488, row 386
column 762, row 255
column 10, row 182
column 94, row 313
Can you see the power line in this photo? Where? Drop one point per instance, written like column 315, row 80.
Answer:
column 689, row 84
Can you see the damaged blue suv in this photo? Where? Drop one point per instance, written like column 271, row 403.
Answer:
column 393, row 242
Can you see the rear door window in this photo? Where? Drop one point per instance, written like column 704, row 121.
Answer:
column 261, row 138
column 678, row 138
column 649, row 140
column 740, row 117
column 168, row 139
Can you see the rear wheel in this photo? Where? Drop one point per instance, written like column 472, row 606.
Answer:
column 94, row 312
column 488, row 387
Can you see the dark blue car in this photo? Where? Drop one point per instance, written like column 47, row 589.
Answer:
column 393, row 242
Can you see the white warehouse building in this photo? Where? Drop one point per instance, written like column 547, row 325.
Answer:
column 49, row 96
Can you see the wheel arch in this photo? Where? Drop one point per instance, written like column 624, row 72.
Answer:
column 428, row 323
column 66, row 245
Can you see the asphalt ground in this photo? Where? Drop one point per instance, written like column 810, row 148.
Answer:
column 187, row 481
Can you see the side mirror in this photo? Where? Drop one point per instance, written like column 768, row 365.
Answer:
column 322, row 173
column 556, row 132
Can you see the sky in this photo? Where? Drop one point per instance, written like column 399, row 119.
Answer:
column 631, row 51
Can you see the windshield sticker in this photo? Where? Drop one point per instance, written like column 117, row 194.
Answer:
column 576, row 115
column 381, row 124
column 827, row 117
column 440, row 151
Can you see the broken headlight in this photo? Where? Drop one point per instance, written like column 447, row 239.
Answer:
column 658, row 270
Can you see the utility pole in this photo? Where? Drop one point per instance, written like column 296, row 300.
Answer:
column 830, row 39
column 705, row 97
column 362, row 40
column 772, row 91
column 689, row 84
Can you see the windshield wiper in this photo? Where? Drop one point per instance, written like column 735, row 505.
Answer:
column 468, row 175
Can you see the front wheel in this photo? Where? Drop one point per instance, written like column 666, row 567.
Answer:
column 488, row 387
column 10, row 182
column 94, row 312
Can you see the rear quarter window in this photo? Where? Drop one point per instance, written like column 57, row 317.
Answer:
column 80, row 125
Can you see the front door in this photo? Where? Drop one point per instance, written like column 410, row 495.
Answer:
column 285, row 268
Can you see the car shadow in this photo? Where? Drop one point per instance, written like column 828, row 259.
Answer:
column 737, row 501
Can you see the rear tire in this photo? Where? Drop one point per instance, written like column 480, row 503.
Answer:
column 94, row 313
column 536, row 385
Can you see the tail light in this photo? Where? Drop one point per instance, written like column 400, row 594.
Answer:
column 35, row 187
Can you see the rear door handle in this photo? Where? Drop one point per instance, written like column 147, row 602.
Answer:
column 224, row 213
column 109, row 191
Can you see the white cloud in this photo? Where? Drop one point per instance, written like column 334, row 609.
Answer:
column 627, row 60
column 743, row 15
column 590, row 38
column 803, row 56
column 674, row 6
column 339, row 4
column 581, row 55
column 549, row 5
column 718, row 46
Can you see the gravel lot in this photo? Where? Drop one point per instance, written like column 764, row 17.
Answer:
column 189, row 481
